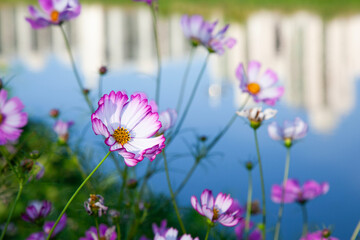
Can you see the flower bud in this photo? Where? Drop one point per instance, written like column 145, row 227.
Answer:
column 255, row 124
column 288, row 142
column 54, row 113
column 203, row 138
column 326, row 233
column 34, row 154
column 86, row 91
column 249, row 165
column 102, row 70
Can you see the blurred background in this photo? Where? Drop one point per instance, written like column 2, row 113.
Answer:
column 313, row 46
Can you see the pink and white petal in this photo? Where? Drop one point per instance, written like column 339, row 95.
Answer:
column 195, row 204
column 130, row 162
column 253, row 71
column 117, row 147
column 325, row 187
column 301, row 129
column 273, row 93
column 138, row 146
column 240, row 74
column 60, row 5
column 209, row 213
column 228, row 220
column 38, row 23
column 269, row 113
column 196, row 21
column 185, row 25
column 244, row 113
column 275, row 132
column 99, row 127
column 311, row 190
column 171, row 234
column 230, row 42
column 225, row 203
column 289, row 129
column 10, row 133
column 3, row 97
column 14, row 105
column 47, row 5
column 268, row 79
column 147, row 127
column 110, row 141
column 35, row 13
column 207, row 198
column 134, row 112
column 17, row 120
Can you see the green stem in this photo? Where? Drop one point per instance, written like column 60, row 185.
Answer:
column 262, row 185
column 172, row 194
column 356, row 231
column 184, row 80
column 97, row 227
column 12, row 209
column 248, row 206
column 192, row 95
column 75, row 193
column 186, row 179
column 227, row 126
column 158, row 79
column 76, row 73
column 118, row 230
column 281, row 209
column 305, row 219
column 207, row 232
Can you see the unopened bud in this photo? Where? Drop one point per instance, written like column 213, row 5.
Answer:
column 255, row 124
column 86, row 91
column 54, row 113
column 288, row 142
column 132, row 183
column 326, row 233
column 102, row 70
column 249, row 165
column 203, row 138
column 34, row 154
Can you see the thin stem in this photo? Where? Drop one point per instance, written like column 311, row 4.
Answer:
column 248, row 206
column 118, row 230
column 76, row 73
column 207, row 232
column 158, row 79
column 305, row 219
column 186, row 179
column 184, row 80
column 262, row 185
column 12, row 209
column 356, row 231
column 100, row 85
column 97, row 227
column 227, row 126
column 172, row 194
column 75, row 193
column 281, row 209
column 193, row 93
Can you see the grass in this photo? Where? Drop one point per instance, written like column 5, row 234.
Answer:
column 238, row 9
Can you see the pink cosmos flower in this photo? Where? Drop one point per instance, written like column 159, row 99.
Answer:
column 11, row 118
column 128, row 126
column 319, row 235
column 54, row 12
column 171, row 234
column 255, row 234
column 262, row 89
column 106, row 233
column 256, row 116
column 95, row 205
column 199, row 31
column 216, row 211
column 289, row 132
column 36, row 210
column 62, row 130
column 46, row 229
column 295, row 193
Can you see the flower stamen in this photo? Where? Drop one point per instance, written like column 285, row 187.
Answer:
column 253, row 88
column 54, row 16
column 1, row 118
column 216, row 214
column 121, row 135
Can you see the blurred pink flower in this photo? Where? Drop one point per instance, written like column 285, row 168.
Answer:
column 105, row 232
column 62, row 130
column 319, row 235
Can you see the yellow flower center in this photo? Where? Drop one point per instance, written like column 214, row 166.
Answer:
column 54, row 16
column 1, row 118
column 121, row 135
column 216, row 214
column 253, row 88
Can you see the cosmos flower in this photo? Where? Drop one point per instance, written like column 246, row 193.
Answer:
column 255, row 234
column 319, row 235
column 168, row 119
column 289, row 132
column 54, row 12
column 106, row 233
column 62, row 130
column 201, row 32
column 216, row 211
column 256, row 116
column 295, row 193
column 128, row 126
column 95, row 205
column 171, row 234
column 46, row 229
column 36, row 210
column 11, row 118
column 262, row 89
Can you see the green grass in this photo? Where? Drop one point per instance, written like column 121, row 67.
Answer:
column 238, row 9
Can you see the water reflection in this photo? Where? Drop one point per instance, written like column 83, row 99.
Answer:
column 316, row 60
